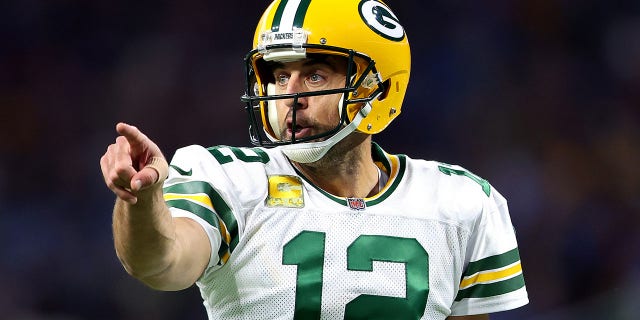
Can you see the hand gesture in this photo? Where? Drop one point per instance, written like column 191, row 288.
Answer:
column 133, row 164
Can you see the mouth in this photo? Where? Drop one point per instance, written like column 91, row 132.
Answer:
column 299, row 131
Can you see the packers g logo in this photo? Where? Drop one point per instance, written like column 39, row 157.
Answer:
column 381, row 20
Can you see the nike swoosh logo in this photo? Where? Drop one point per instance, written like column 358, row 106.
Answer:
column 182, row 172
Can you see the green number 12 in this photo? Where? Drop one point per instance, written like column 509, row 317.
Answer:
column 486, row 187
column 306, row 250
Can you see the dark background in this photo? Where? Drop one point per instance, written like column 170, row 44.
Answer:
column 539, row 97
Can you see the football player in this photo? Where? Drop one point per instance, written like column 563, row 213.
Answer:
column 317, row 221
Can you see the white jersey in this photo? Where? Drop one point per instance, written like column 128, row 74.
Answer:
column 435, row 241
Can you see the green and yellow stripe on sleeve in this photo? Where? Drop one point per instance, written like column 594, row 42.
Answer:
column 205, row 202
column 492, row 276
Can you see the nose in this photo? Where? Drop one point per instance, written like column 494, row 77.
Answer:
column 296, row 85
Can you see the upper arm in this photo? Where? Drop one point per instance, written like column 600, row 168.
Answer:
column 472, row 317
column 191, row 256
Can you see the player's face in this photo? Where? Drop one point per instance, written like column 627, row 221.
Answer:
column 314, row 114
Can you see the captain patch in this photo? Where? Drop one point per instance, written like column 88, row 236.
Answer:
column 285, row 191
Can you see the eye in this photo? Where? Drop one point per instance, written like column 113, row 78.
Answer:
column 282, row 79
column 315, row 80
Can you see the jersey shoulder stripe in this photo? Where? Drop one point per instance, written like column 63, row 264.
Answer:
column 204, row 201
column 492, row 276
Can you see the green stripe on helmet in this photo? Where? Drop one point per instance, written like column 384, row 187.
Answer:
column 301, row 13
column 298, row 19
column 275, row 24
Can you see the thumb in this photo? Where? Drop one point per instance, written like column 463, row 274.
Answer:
column 154, row 173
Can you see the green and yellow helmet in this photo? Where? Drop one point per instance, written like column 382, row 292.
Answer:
column 366, row 32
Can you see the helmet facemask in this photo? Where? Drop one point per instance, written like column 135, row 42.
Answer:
column 362, row 85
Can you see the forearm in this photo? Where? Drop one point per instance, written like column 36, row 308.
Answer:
column 144, row 236
column 163, row 252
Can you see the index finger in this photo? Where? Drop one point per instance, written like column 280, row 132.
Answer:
column 134, row 136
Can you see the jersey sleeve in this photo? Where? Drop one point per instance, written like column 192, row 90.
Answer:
column 492, row 279
column 205, row 185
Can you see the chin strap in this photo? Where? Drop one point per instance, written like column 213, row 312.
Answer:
column 313, row 151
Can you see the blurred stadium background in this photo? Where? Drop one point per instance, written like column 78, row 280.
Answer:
column 540, row 97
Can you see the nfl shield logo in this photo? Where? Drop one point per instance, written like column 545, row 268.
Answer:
column 356, row 203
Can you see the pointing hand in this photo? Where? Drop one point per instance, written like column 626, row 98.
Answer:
column 133, row 164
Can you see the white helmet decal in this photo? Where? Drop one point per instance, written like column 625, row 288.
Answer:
column 381, row 20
